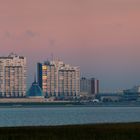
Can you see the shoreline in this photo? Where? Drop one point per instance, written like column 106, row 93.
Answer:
column 64, row 104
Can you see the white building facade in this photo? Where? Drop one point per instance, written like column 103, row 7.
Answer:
column 59, row 79
column 12, row 76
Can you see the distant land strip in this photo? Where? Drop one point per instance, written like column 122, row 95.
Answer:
column 108, row 131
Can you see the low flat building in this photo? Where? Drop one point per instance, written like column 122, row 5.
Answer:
column 109, row 97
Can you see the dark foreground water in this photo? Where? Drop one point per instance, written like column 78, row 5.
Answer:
column 67, row 115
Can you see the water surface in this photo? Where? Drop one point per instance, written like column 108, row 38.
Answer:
column 41, row 116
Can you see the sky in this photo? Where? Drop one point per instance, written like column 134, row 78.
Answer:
column 100, row 36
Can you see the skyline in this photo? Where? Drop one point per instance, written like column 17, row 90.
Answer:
column 102, row 37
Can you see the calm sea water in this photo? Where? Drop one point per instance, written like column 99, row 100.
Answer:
column 67, row 115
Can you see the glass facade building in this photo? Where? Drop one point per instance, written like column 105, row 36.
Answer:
column 35, row 91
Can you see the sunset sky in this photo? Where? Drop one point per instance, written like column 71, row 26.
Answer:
column 100, row 36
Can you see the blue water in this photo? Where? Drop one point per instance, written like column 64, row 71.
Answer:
column 67, row 115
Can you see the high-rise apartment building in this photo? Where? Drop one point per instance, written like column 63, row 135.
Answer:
column 58, row 79
column 12, row 76
column 94, row 86
column 85, row 85
column 89, row 86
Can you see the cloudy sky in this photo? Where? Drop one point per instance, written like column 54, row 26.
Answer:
column 100, row 36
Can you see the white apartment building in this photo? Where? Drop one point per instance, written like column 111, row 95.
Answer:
column 12, row 76
column 59, row 79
